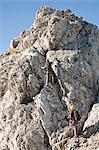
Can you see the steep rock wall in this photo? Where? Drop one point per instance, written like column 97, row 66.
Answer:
column 31, row 114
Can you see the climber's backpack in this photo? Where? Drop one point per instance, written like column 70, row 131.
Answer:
column 77, row 115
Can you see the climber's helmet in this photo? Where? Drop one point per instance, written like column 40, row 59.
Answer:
column 72, row 105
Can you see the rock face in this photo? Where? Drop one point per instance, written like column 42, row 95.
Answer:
column 31, row 113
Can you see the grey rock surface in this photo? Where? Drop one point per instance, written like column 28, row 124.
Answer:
column 31, row 113
column 91, row 125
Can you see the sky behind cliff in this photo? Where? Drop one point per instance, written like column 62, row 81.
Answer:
column 18, row 15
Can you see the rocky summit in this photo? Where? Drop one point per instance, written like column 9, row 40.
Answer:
column 32, row 99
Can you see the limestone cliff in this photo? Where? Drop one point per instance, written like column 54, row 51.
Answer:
column 31, row 113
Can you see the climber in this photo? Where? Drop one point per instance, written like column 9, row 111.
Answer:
column 73, row 115
column 50, row 75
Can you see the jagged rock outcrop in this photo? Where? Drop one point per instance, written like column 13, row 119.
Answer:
column 31, row 113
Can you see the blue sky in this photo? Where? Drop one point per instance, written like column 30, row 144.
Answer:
column 18, row 15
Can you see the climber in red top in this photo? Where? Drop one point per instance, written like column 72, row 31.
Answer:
column 73, row 115
column 72, row 112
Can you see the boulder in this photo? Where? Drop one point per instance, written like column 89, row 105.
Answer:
column 91, row 125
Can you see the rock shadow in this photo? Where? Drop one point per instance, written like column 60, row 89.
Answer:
column 91, row 130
